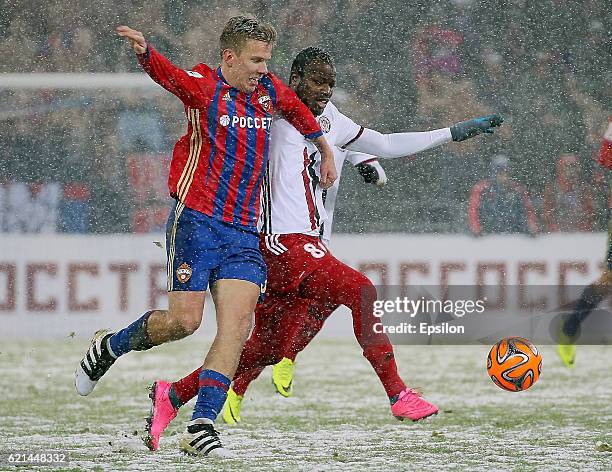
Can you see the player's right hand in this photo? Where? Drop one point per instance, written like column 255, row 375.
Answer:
column 136, row 38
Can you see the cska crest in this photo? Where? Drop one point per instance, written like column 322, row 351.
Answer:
column 264, row 101
column 325, row 124
column 183, row 273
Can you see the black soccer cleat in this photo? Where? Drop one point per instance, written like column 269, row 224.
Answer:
column 95, row 364
column 202, row 439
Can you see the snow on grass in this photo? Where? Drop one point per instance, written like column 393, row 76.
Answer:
column 338, row 418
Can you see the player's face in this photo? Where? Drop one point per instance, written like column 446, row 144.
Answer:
column 316, row 86
column 247, row 67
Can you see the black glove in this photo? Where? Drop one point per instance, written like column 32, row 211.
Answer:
column 372, row 173
column 469, row 129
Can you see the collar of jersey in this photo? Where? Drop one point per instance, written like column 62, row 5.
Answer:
column 220, row 75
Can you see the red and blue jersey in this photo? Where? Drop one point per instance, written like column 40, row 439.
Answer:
column 218, row 165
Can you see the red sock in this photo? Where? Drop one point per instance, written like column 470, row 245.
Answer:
column 336, row 283
column 187, row 388
column 382, row 360
column 242, row 382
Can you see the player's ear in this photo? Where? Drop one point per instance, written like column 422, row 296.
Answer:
column 228, row 56
column 294, row 79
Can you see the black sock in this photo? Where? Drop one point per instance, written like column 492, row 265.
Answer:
column 588, row 301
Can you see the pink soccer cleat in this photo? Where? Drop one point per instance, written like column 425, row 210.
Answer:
column 162, row 412
column 411, row 405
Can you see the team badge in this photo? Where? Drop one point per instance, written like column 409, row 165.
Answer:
column 264, row 101
column 183, row 273
column 227, row 97
column 325, row 124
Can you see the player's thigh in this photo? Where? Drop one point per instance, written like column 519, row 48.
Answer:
column 334, row 282
column 235, row 302
column 290, row 258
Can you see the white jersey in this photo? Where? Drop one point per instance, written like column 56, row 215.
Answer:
column 292, row 200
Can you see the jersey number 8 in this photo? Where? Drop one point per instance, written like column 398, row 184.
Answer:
column 314, row 251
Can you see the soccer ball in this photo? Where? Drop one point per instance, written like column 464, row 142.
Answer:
column 514, row 364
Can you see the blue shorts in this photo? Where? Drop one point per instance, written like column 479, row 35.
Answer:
column 202, row 249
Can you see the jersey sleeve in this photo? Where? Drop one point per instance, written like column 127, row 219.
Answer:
column 293, row 110
column 347, row 130
column 392, row 146
column 193, row 88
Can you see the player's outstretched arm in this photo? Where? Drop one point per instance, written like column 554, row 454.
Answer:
column 391, row 146
column 189, row 86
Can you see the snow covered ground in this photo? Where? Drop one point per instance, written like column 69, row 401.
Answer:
column 338, row 418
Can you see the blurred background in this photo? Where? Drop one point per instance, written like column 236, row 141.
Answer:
column 94, row 160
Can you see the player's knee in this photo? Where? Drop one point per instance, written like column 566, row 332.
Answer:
column 190, row 325
column 239, row 326
column 185, row 323
column 244, row 324
column 368, row 291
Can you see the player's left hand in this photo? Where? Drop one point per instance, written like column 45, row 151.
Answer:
column 372, row 173
column 469, row 129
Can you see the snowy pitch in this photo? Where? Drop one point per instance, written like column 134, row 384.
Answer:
column 338, row 418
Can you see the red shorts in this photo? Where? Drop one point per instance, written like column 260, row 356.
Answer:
column 290, row 259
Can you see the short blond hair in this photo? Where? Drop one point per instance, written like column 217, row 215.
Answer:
column 241, row 28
